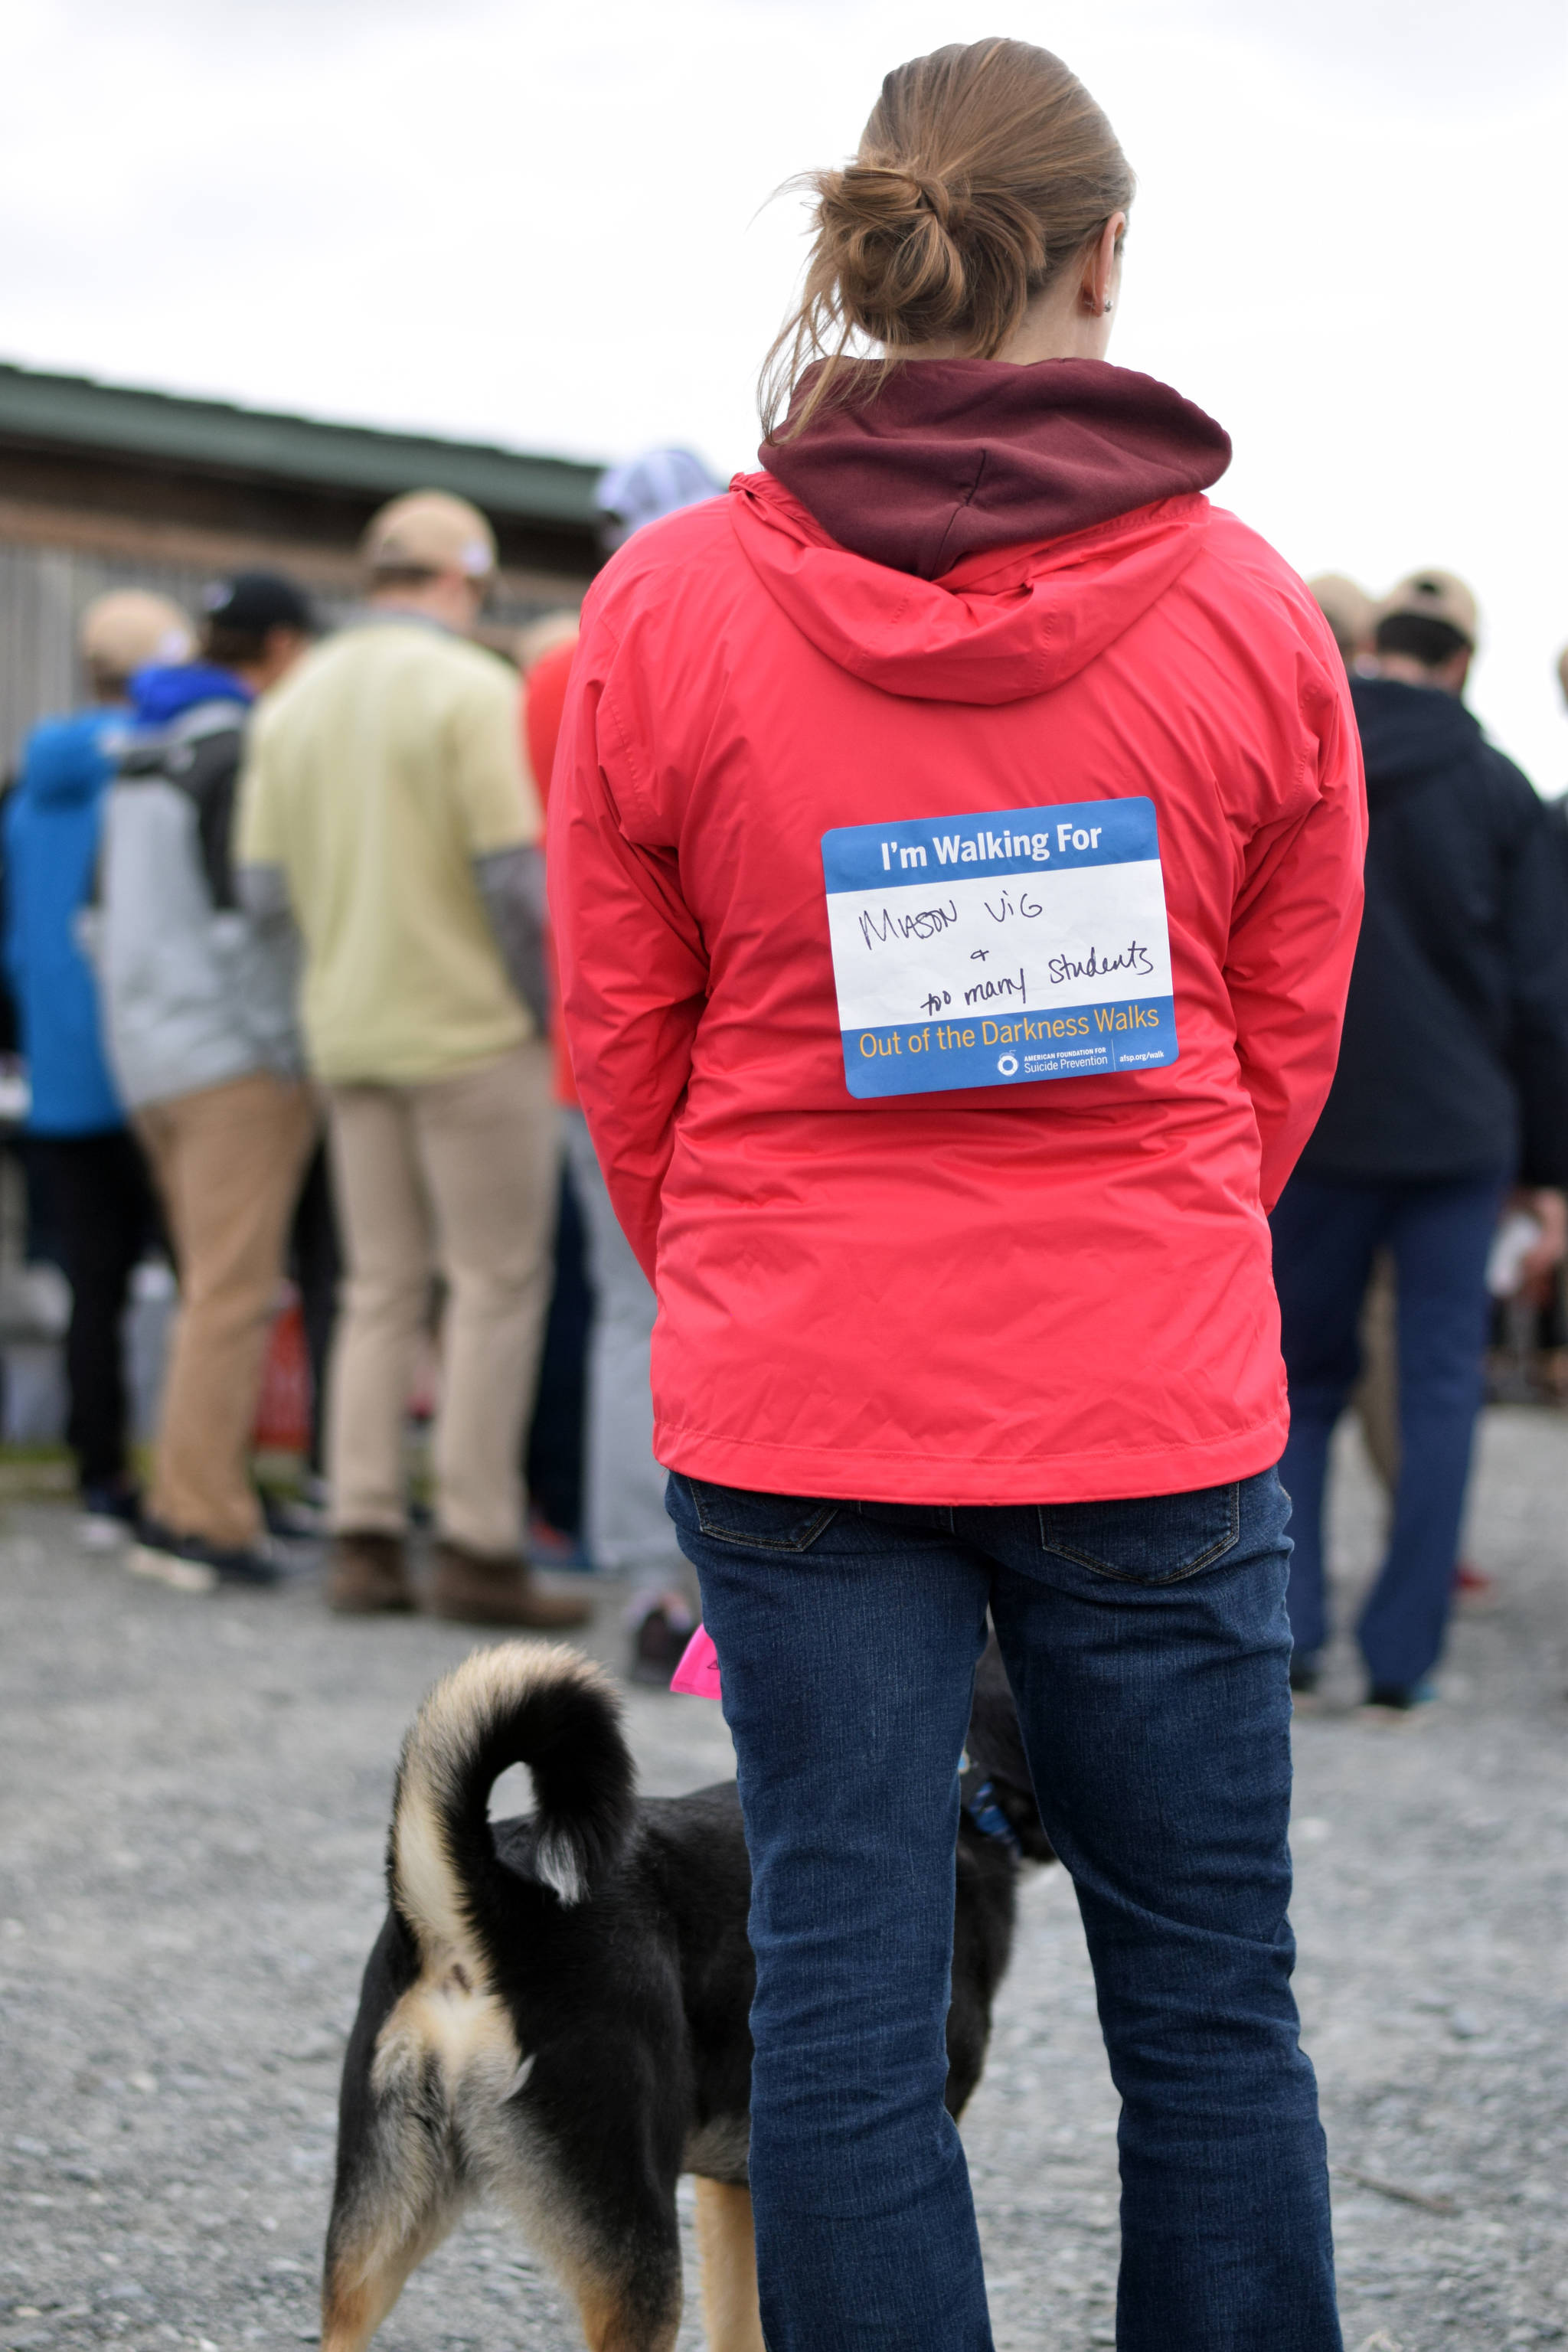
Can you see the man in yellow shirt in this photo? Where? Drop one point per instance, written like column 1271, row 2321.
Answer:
column 386, row 811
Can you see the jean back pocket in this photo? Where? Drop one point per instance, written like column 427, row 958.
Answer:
column 1152, row 1540
column 736, row 1515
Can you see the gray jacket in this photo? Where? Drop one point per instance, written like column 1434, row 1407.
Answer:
column 195, row 990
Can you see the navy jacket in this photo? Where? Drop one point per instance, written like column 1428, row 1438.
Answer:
column 52, row 820
column 1454, row 1057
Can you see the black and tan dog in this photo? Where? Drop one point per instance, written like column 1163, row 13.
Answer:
column 555, row 2010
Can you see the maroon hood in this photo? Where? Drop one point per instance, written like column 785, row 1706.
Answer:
column 956, row 456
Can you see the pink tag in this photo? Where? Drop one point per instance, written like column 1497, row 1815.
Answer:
column 698, row 1672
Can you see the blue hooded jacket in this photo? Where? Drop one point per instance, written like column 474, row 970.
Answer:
column 160, row 693
column 52, row 819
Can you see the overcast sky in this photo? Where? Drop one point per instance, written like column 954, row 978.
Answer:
column 548, row 226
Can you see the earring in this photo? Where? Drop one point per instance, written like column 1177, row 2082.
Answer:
column 1106, row 306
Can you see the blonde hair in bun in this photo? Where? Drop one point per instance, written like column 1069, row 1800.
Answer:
column 983, row 171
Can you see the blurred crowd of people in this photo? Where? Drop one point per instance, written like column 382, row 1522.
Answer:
column 276, row 934
column 1432, row 1187
column 276, row 941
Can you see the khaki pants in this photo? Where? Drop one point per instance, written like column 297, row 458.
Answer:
column 228, row 1161
column 459, row 1173
column 1376, row 1395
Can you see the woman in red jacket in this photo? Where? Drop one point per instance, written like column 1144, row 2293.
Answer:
column 955, row 858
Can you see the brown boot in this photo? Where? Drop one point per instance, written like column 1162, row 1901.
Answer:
column 487, row 1588
column 367, row 1572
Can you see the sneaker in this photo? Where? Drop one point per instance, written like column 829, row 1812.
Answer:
column 483, row 1589
column 659, row 1640
column 109, row 1515
column 367, row 1574
column 295, row 1518
column 551, row 1546
column 1399, row 1700
column 190, row 1564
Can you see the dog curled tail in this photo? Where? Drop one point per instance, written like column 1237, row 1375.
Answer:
column 520, row 1703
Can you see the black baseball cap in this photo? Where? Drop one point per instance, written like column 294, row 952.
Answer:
column 256, row 601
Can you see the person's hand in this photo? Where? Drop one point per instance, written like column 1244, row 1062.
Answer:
column 1550, row 1210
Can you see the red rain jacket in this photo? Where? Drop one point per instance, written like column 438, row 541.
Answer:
column 1048, row 1292
column 543, row 700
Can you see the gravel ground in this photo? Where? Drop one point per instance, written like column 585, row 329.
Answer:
column 193, row 1804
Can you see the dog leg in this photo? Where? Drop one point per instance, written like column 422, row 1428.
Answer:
column 728, row 2248
column 362, row 2281
column 614, row 2321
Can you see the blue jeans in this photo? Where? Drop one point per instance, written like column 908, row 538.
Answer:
column 1325, row 1237
column 1148, row 1647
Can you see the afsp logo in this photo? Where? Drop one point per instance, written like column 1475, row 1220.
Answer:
column 1008, row 1066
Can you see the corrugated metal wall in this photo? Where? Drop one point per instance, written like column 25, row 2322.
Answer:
column 42, row 593
column 44, row 589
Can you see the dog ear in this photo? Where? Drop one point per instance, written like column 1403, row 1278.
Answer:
column 997, row 1745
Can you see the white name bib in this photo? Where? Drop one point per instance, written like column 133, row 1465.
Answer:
column 1000, row 950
